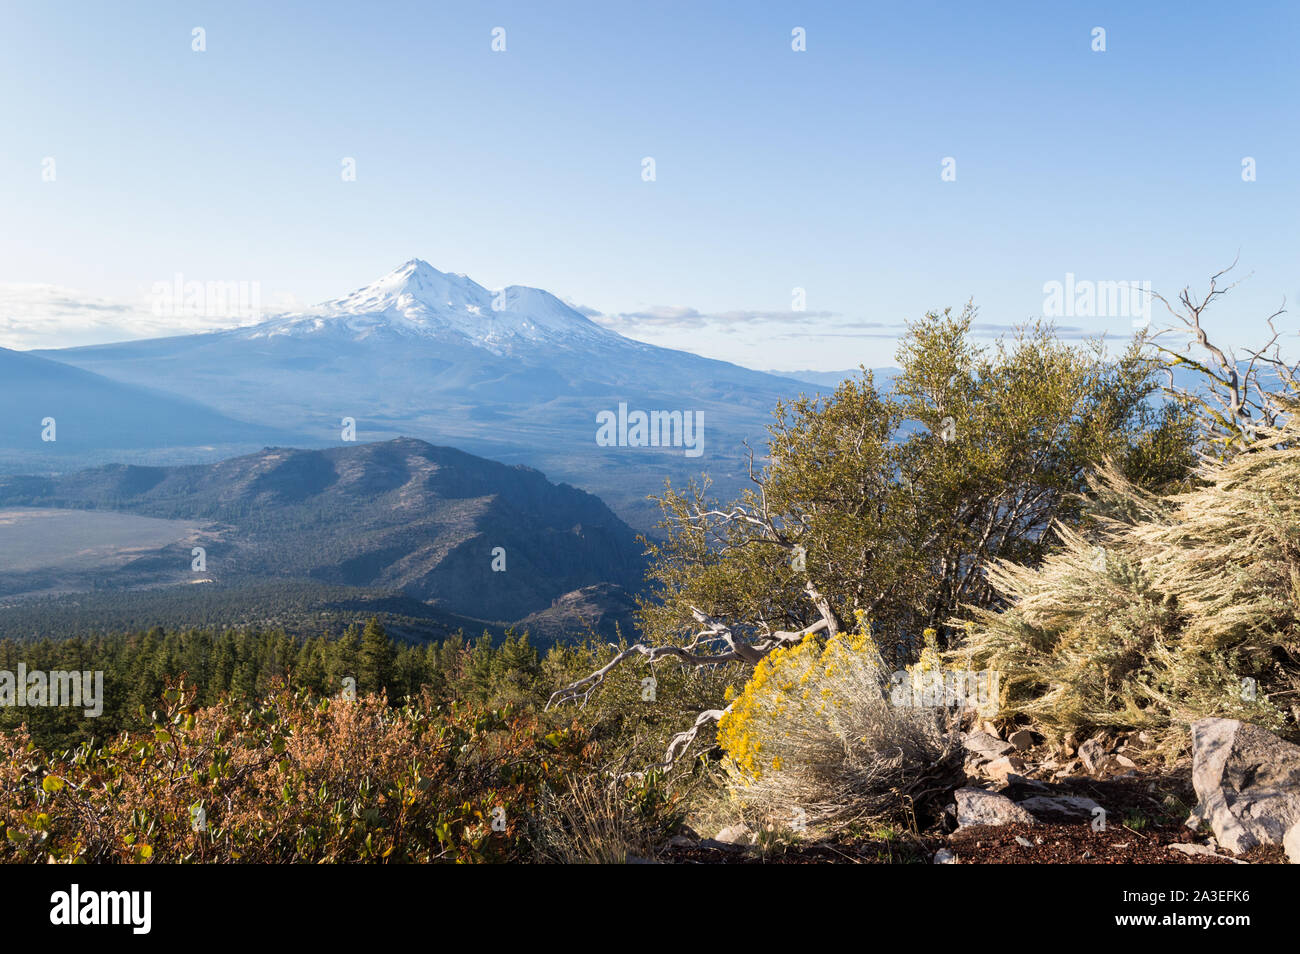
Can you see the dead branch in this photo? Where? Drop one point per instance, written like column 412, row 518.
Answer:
column 1238, row 401
column 682, row 740
column 587, row 684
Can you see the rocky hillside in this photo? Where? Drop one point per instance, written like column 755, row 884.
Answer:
column 472, row 536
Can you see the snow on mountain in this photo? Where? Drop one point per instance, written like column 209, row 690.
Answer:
column 422, row 353
column 417, row 299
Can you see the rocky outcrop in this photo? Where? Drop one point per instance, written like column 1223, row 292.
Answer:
column 1247, row 783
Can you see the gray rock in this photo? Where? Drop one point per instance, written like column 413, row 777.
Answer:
column 735, row 835
column 978, row 807
column 1202, row 850
column 1191, row 849
column 944, row 856
column 986, row 746
column 1022, row 739
column 1059, row 809
column 1247, row 782
column 1091, row 753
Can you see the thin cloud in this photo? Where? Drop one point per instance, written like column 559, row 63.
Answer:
column 806, row 335
column 670, row 318
column 893, row 330
column 678, row 317
column 47, row 316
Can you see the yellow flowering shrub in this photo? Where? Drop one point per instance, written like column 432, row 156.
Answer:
column 813, row 733
column 802, row 685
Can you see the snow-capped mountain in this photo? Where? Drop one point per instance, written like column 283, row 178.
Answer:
column 425, row 354
column 420, row 301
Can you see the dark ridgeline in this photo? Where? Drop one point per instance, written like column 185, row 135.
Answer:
column 401, row 516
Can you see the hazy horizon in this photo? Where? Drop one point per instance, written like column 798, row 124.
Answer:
column 800, row 209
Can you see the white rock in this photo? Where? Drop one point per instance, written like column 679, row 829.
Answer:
column 975, row 806
column 1192, row 849
column 1292, row 844
column 1202, row 850
column 1247, row 782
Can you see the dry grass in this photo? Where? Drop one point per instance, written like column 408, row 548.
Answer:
column 592, row 823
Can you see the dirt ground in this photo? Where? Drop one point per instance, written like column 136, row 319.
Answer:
column 1146, row 812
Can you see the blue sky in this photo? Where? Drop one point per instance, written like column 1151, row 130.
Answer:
column 775, row 169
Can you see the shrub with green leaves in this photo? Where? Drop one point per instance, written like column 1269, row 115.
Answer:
column 894, row 501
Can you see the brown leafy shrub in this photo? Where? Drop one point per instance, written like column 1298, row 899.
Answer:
column 296, row 778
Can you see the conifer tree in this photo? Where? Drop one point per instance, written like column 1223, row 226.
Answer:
column 376, row 659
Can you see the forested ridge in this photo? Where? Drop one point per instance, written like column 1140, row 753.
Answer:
column 245, row 664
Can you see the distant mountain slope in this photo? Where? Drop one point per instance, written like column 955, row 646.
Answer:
column 514, row 374
column 95, row 415
column 400, row 515
column 604, row 609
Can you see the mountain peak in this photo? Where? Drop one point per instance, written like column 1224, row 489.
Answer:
column 415, row 282
column 418, row 270
column 418, row 299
